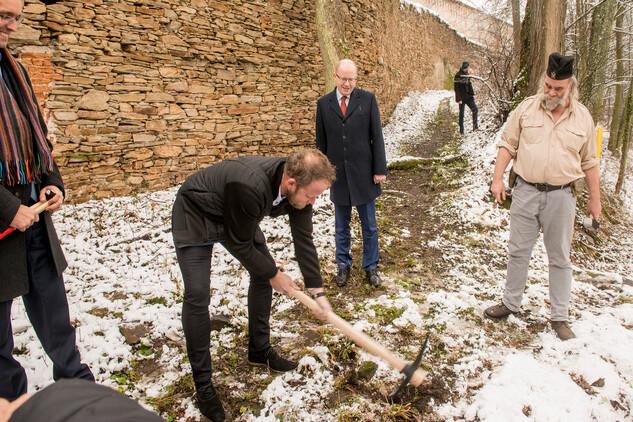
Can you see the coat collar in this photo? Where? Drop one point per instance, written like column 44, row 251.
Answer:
column 354, row 102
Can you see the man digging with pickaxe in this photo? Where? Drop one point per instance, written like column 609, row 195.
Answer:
column 225, row 203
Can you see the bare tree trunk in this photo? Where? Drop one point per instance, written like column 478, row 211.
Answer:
column 614, row 146
column 625, row 135
column 516, row 32
column 583, row 39
column 541, row 34
column 596, row 64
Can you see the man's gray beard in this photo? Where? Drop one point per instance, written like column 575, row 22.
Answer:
column 552, row 103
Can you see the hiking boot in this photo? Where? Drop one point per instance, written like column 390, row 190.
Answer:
column 209, row 403
column 373, row 278
column 498, row 311
column 273, row 361
column 342, row 277
column 562, row 329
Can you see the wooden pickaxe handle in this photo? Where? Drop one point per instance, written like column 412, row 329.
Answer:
column 38, row 207
column 361, row 338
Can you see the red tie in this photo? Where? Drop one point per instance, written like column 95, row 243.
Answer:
column 343, row 105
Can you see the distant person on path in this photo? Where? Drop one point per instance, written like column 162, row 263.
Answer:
column 75, row 400
column 465, row 96
column 225, row 203
column 349, row 132
column 551, row 138
column 31, row 257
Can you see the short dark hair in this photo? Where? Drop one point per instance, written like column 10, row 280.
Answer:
column 308, row 165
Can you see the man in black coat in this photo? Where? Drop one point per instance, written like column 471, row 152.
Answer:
column 465, row 96
column 349, row 132
column 225, row 203
column 31, row 257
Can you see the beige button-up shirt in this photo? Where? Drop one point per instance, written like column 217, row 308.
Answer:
column 551, row 152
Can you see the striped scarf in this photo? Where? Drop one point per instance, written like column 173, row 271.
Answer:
column 25, row 153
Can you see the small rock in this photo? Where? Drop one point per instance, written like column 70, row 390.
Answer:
column 220, row 321
column 133, row 333
column 367, row 370
column 598, row 383
column 99, row 312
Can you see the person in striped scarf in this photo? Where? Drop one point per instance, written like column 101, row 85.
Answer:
column 31, row 258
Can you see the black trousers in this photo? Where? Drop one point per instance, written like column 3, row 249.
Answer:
column 195, row 265
column 473, row 108
column 47, row 308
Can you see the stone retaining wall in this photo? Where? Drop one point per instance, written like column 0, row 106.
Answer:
column 139, row 94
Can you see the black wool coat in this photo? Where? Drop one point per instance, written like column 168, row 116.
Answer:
column 463, row 87
column 226, row 202
column 354, row 145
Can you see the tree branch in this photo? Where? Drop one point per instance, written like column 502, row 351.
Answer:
column 583, row 15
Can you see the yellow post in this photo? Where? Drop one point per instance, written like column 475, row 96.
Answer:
column 599, row 141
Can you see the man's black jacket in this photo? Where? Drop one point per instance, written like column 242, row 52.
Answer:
column 463, row 87
column 226, row 202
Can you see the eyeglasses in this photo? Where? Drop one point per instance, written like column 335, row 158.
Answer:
column 8, row 20
column 345, row 80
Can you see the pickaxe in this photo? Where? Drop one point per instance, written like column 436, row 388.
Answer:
column 411, row 371
column 38, row 207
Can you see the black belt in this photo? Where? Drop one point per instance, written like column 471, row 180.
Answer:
column 546, row 187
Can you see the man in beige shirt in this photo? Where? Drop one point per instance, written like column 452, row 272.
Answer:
column 550, row 137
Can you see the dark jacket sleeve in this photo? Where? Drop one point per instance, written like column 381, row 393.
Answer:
column 307, row 257
column 9, row 205
column 377, row 140
column 243, row 210
column 321, row 139
column 459, row 89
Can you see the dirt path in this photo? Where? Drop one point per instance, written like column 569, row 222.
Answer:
column 409, row 192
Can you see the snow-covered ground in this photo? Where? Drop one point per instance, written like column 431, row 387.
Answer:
column 123, row 271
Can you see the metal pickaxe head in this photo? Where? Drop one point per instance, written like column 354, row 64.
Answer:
column 410, row 369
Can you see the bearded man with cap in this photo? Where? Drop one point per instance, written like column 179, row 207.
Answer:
column 550, row 137
column 465, row 95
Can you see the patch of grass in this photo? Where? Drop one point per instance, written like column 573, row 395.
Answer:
column 126, row 378
column 408, row 282
column 399, row 413
column 170, row 402
column 338, row 348
column 156, row 301
column 386, row 314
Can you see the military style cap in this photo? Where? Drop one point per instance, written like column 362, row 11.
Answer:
column 560, row 67
column 464, row 65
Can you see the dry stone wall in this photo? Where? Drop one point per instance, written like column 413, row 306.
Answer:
column 139, row 94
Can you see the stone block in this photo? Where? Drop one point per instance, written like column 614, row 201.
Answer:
column 93, row 115
column 94, row 100
column 167, row 151
column 161, row 97
column 65, row 116
column 243, row 109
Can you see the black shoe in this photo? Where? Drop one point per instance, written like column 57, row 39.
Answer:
column 373, row 278
column 342, row 276
column 273, row 361
column 209, row 403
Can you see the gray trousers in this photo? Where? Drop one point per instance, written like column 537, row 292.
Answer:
column 553, row 211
